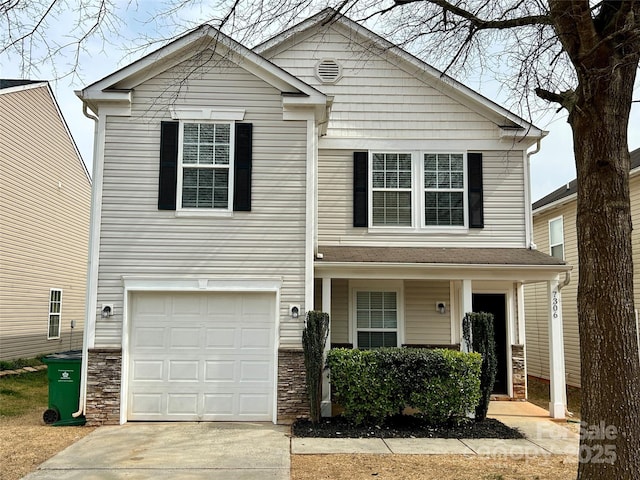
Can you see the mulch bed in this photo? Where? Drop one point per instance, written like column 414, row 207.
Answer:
column 403, row 426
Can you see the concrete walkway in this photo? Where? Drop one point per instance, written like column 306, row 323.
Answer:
column 543, row 437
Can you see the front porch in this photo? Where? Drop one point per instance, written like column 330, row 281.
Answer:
column 394, row 297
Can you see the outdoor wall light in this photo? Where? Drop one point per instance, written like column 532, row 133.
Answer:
column 295, row 311
column 107, row 310
column 441, row 307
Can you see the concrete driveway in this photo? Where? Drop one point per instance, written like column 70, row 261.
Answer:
column 221, row 451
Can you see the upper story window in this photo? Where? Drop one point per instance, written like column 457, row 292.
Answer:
column 206, row 165
column 444, row 189
column 55, row 311
column 556, row 238
column 391, row 189
column 437, row 200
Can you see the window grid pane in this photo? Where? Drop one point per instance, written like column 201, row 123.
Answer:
column 207, row 145
column 376, row 319
column 55, row 308
column 391, row 186
column 444, row 189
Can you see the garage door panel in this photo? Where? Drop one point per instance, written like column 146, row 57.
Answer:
column 181, row 371
column 185, row 337
column 182, row 404
column 150, row 337
column 219, row 371
column 220, row 338
column 202, row 357
column 145, row 370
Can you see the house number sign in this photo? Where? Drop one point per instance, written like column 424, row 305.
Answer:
column 555, row 304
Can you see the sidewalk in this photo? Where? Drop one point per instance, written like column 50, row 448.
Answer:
column 543, row 437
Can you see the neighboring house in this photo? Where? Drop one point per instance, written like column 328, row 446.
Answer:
column 45, row 201
column 554, row 232
column 325, row 169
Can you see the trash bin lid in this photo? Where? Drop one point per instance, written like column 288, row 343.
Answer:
column 64, row 356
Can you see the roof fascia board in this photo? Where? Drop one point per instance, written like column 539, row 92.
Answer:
column 443, row 83
column 557, row 203
column 20, row 88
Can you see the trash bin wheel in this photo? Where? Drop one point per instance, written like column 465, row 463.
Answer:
column 50, row 416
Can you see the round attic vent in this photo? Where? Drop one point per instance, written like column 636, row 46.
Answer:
column 328, row 71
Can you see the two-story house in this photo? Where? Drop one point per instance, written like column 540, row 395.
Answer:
column 327, row 169
column 45, row 200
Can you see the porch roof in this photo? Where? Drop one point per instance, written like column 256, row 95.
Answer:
column 513, row 264
column 430, row 255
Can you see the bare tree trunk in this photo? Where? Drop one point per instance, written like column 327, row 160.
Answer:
column 610, row 433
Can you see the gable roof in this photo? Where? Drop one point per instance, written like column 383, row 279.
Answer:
column 511, row 124
column 117, row 86
column 9, row 83
column 568, row 191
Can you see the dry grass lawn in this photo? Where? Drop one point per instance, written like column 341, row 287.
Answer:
column 440, row 467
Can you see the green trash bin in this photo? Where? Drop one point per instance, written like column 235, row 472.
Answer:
column 63, row 372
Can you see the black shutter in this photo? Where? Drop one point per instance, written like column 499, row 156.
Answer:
column 476, row 207
column 360, row 189
column 168, row 165
column 242, row 168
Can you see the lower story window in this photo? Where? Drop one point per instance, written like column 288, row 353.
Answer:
column 376, row 319
column 55, row 310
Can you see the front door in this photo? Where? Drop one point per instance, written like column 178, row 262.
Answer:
column 495, row 303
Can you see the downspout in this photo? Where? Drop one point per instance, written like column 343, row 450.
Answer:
column 567, row 280
column 527, row 198
column 89, row 308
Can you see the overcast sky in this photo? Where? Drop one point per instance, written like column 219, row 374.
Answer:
column 550, row 169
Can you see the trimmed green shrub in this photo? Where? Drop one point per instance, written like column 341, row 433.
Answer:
column 480, row 327
column 371, row 385
column 314, row 338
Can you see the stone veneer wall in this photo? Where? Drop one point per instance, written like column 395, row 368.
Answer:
column 519, row 372
column 103, row 386
column 292, row 391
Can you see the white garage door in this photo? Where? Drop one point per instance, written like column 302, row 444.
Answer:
column 202, row 356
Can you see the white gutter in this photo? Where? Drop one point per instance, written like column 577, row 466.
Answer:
column 92, row 264
column 528, row 226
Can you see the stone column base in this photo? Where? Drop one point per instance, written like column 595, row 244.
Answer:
column 293, row 402
column 104, row 379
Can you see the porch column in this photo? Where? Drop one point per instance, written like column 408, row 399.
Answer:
column 557, row 387
column 326, row 387
column 467, row 306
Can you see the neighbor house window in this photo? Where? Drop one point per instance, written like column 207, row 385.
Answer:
column 444, row 189
column 206, row 165
column 55, row 310
column 556, row 238
column 391, row 189
column 376, row 319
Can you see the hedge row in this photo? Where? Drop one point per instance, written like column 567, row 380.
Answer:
column 443, row 385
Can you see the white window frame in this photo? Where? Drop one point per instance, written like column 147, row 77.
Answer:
column 411, row 190
column 230, row 166
column 556, row 244
column 376, row 286
column 424, row 190
column 418, row 190
column 52, row 313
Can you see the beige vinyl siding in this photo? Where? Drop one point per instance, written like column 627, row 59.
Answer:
column 375, row 98
column 423, row 325
column 138, row 239
column 504, row 211
column 537, row 302
column 45, row 197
